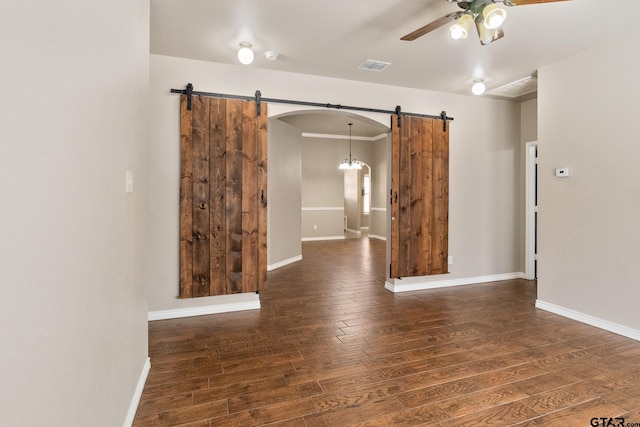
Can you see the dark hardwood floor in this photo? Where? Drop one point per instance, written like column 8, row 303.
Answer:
column 331, row 347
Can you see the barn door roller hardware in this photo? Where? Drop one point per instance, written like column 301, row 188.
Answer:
column 189, row 93
column 258, row 96
column 444, row 117
column 399, row 114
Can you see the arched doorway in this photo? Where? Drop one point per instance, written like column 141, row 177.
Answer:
column 307, row 190
column 357, row 201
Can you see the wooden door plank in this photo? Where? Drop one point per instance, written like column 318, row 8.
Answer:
column 217, row 217
column 416, row 194
column 263, row 197
column 440, row 243
column 393, row 204
column 426, row 182
column 404, row 207
column 249, row 197
column 200, row 201
column 186, row 190
column 233, row 195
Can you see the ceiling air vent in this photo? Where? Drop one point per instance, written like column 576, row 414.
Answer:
column 373, row 65
column 516, row 89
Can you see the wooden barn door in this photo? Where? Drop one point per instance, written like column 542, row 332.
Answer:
column 419, row 197
column 223, row 197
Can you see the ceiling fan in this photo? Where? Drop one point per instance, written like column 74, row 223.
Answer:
column 486, row 16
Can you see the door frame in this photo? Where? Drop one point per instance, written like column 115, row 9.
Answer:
column 531, row 209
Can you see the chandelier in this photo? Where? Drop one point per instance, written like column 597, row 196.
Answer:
column 350, row 163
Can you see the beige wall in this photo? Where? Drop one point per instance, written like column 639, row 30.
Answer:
column 351, row 199
column 284, row 189
column 485, row 236
column 322, row 188
column 73, row 120
column 380, row 185
column 322, row 181
column 529, row 120
column 589, row 238
column 323, row 185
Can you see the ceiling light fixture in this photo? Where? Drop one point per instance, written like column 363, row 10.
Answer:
column 486, row 35
column 493, row 16
column 460, row 30
column 245, row 54
column 350, row 164
column 488, row 19
column 478, row 87
column 487, row 16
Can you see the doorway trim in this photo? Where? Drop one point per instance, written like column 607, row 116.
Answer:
column 531, row 209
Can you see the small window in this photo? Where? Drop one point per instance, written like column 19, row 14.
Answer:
column 366, row 194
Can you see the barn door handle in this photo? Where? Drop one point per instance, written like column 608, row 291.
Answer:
column 262, row 200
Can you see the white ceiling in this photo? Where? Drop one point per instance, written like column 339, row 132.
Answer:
column 333, row 37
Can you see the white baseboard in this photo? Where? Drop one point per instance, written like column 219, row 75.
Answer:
column 279, row 264
column 201, row 311
column 128, row 422
column 314, row 239
column 411, row 284
column 375, row 236
column 590, row 320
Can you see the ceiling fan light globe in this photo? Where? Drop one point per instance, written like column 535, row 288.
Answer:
column 457, row 33
column 460, row 30
column 493, row 16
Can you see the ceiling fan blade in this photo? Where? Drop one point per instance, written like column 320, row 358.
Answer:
column 431, row 26
column 526, row 2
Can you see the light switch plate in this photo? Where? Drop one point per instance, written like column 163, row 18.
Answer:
column 129, row 182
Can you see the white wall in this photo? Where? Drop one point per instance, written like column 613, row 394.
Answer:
column 72, row 121
column 284, row 181
column 589, row 238
column 485, row 236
